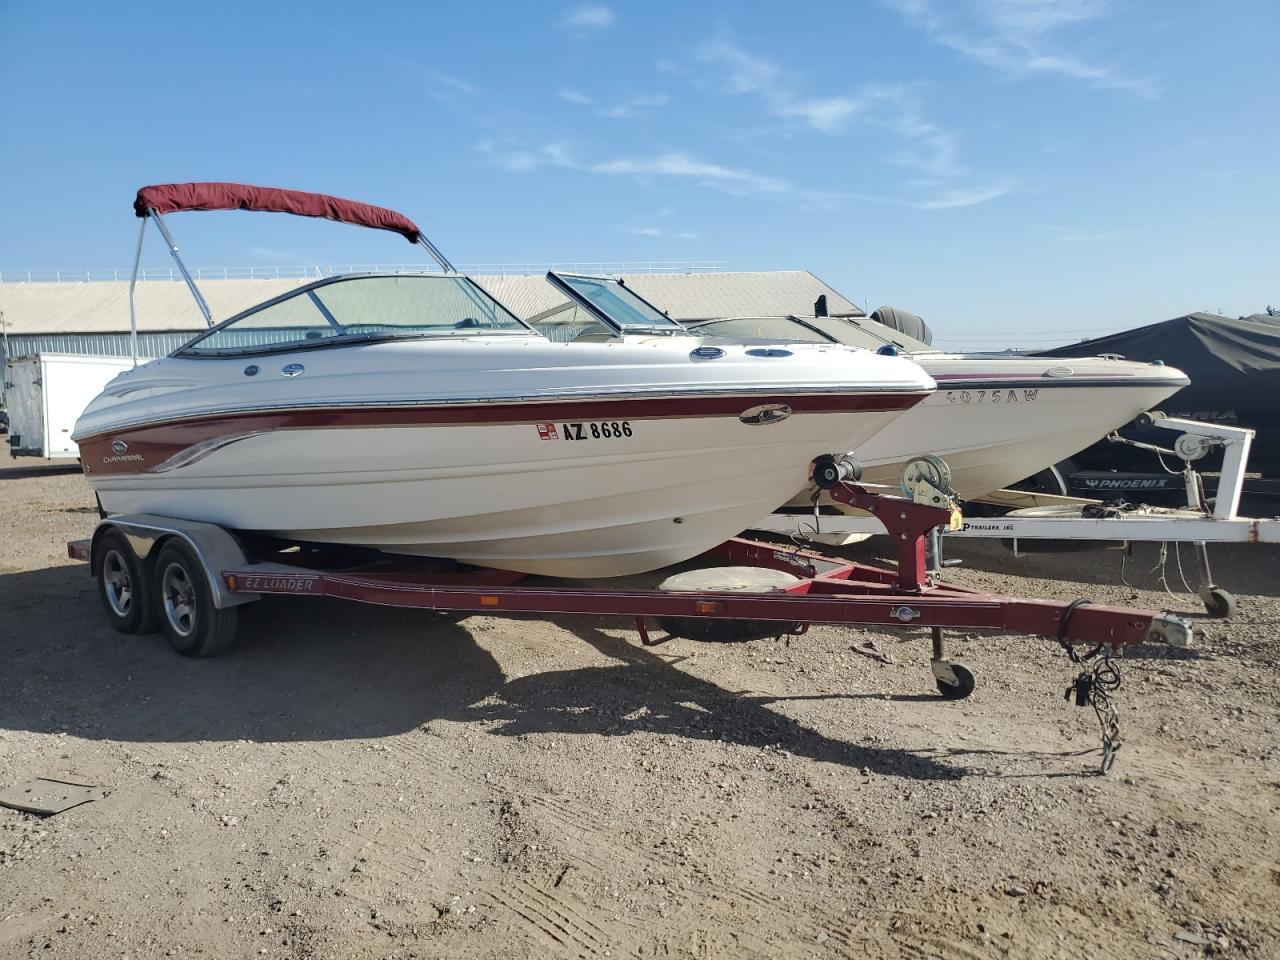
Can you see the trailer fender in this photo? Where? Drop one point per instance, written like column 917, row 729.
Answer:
column 215, row 547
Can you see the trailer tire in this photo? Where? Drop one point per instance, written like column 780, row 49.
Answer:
column 1220, row 604
column 124, row 585
column 184, row 604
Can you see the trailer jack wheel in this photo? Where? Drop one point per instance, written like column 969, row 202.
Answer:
column 1219, row 603
column 955, row 680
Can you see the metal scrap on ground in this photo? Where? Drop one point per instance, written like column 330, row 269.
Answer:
column 48, row 797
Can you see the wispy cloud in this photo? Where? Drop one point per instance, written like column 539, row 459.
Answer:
column 624, row 110
column 666, row 165
column 447, row 88
column 657, row 224
column 659, row 232
column 1021, row 37
column 953, row 197
column 586, row 19
column 677, row 164
column 923, row 146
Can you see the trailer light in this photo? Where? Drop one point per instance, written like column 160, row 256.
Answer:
column 708, row 606
column 488, row 601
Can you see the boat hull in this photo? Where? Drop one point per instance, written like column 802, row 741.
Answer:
column 994, row 436
column 521, row 496
column 997, row 422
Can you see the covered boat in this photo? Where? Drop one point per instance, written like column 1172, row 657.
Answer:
column 1234, row 365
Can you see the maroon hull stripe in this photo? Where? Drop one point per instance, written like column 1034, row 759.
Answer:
column 149, row 446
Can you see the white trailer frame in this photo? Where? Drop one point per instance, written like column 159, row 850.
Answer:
column 1222, row 524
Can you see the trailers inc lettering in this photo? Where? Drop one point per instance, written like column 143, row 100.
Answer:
column 268, row 584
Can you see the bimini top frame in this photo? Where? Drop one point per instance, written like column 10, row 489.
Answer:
column 159, row 199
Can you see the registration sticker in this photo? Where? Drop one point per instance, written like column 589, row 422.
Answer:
column 600, row 430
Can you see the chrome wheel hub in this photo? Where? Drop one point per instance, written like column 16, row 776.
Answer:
column 179, row 599
column 116, row 583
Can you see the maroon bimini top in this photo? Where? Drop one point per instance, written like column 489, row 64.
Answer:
column 172, row 197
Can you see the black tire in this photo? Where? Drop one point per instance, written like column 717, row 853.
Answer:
column 184, row 604
column 1220, row 604
column 124, row 584
column 1051, row 480
column 960, row 690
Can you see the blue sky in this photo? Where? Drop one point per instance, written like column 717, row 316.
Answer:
column 1017, row 171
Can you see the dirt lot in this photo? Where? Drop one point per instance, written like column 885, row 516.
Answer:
column 360, row 782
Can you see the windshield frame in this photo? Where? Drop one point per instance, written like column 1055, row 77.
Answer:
column 561, row 282
column 473, row 290
column 705, row 328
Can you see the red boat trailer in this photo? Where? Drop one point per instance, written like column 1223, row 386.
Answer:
column 189, row 579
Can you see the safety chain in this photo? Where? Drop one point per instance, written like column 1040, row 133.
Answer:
column 1093, row 687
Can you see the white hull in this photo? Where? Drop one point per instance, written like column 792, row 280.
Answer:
column 493, row 482
column 998, row 421
column 991, row 445
column 545, row 507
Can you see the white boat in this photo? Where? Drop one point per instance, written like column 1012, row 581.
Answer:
column 414, row 414
column 995, row 419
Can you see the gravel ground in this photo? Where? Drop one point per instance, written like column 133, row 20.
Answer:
column 360, row 782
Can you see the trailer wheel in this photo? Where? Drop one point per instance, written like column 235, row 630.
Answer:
column 184, row 604
column 1220, row 603
column 124, row 586
column 964, row 679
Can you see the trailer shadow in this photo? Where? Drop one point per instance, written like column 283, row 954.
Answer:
column 644, row 692
column 317, row 669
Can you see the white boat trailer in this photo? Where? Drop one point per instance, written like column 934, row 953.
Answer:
column 1094, row 521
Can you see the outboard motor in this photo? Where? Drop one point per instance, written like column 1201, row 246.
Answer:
column 903, row 322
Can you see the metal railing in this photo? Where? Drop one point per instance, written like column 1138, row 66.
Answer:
column 316, row 271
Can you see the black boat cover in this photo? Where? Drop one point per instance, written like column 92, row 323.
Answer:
column 1234, row 366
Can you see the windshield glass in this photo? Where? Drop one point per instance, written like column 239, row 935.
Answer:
column 851, row 331
column 569, row 322
column 615, row 304
column 361, row 308
column 760, row 328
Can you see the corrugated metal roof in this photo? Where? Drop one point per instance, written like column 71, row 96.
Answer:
column 704, row 296
column 103, row 306
column 692, row 296
column 163, row 305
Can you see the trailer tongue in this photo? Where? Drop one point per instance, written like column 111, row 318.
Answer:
column 190, row 578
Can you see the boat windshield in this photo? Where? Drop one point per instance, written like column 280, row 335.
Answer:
column 360, row 309
column 610, row 301
column 851, row 331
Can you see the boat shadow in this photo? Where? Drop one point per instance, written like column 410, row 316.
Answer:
column 643, row 691
column 314, row 669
